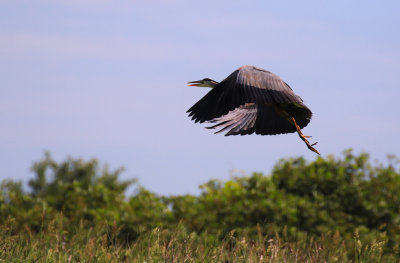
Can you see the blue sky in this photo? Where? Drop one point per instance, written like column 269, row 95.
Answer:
column 107, row 79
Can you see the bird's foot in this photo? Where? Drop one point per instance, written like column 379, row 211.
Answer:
column 312, row 148
column 304, row 138
column 309, row 146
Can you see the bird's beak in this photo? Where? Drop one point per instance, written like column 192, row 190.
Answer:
column 195, row 83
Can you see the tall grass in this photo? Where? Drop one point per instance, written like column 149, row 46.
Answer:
column 98, row 244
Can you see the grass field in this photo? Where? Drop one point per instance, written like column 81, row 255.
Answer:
column 53, row 244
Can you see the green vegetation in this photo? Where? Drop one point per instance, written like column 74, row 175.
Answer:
column 329, row 210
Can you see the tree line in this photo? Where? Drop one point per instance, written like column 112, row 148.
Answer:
column 343, row 195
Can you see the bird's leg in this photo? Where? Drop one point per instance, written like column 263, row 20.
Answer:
column 304, row 138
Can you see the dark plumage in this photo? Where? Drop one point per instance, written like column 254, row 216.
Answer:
column 251, row 100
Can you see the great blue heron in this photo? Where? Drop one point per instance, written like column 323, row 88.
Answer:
column 252, row 100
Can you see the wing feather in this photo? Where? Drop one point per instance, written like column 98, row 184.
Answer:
column 239, row 120
column 252, row 118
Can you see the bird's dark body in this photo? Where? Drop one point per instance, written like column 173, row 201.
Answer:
column 252, row 100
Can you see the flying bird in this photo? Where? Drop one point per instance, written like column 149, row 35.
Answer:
column 252, row 100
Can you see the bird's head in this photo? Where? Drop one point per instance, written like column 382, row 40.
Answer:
column 203, row 83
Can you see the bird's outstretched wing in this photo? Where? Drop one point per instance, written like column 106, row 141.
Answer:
column 252, row 118
column 248, row 84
